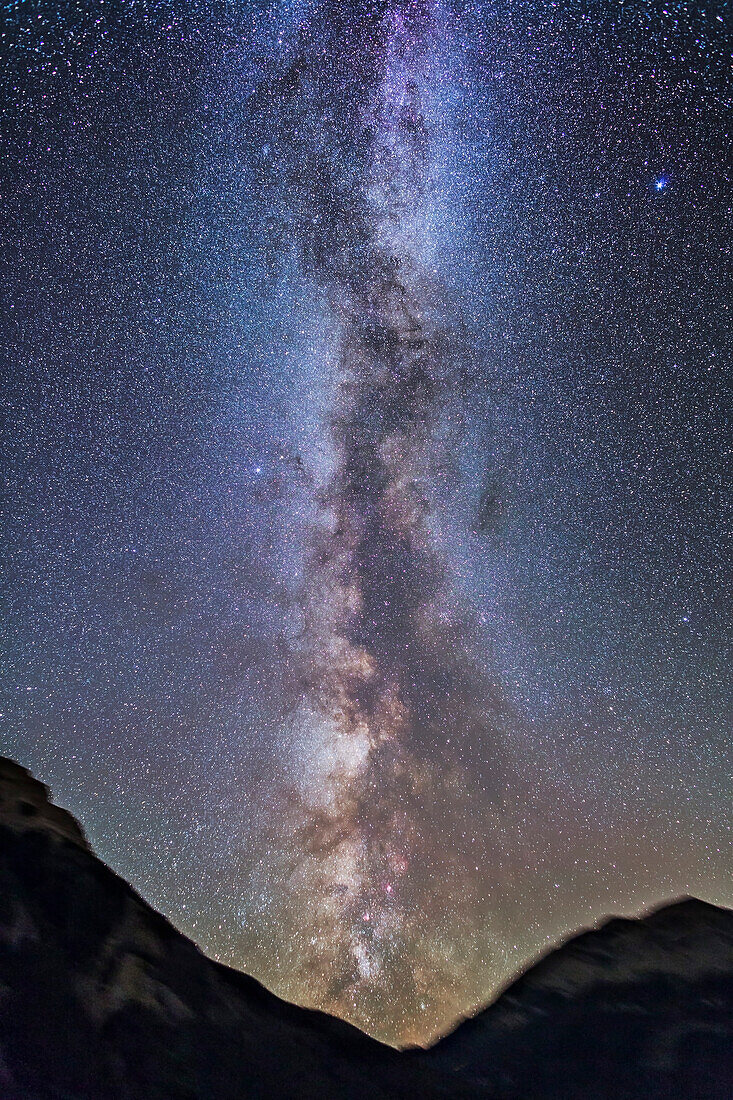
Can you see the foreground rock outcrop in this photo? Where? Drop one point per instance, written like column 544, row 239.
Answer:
column 101, row 998
column 25, row 805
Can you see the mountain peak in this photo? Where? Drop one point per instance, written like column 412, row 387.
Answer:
column 25, row 804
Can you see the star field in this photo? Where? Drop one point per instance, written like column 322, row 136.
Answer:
column 364, row 487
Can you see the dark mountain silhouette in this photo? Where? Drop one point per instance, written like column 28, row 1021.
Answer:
column 102, row 999
column 637, row 1008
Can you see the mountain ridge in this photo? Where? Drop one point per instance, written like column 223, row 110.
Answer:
column 102, row 998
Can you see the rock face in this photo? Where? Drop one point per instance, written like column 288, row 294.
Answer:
column 102, row 999
column 25, row 804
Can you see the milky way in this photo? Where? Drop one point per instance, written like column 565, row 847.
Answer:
column 364, row 380
column 395, row 723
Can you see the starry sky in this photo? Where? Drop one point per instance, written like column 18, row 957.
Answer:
column 363, row 472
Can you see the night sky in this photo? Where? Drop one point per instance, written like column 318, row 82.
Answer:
column 364, row 512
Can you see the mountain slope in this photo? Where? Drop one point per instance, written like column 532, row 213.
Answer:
column 102, row 999
column 636, row 1008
